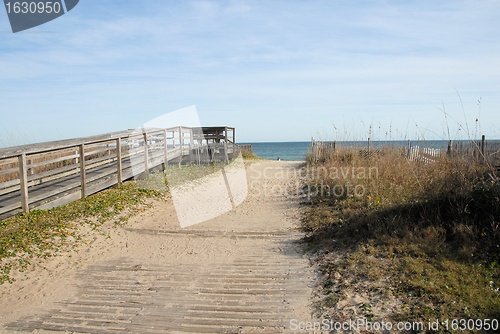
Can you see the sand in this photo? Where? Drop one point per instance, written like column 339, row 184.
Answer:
column 238, row 272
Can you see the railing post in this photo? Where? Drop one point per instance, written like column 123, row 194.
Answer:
column 83, row 172
column 23, row 179
column 119, row 177
column 146, row 158
column 191, row 139
column 236, row 148
column 166, row 144
column 181, row 144
column 181, row 140
column 226, row 156
column 191, row 144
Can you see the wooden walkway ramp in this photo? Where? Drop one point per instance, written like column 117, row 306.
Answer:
column 242, row 272
column 46, row 175
column 253, row 293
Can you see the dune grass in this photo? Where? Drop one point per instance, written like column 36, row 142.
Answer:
column 425, row 234
column 250, row 156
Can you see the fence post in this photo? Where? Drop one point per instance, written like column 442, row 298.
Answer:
column 83, row 173
column 483, row 142
column 119, row 160
column 23, row 179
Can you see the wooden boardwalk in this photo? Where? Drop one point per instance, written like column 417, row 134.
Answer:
column 255, row 292
column 242, row 272
column 46, row 175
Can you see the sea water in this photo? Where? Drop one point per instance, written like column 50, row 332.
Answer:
column 292, row 151
column 297, row 151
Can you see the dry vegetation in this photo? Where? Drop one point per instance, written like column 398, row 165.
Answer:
column 422, row 241
column 248, row 154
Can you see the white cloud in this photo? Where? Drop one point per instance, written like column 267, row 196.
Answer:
column 314, row 61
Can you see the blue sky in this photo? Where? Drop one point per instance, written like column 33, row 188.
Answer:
column 275, row 70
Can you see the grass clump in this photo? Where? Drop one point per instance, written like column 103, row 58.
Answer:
column 41, row 233
column 426, row 235
column 250, row 156
column 247, row 153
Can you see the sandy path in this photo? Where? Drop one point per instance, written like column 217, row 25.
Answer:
column 240, row 272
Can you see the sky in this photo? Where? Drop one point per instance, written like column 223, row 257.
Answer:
column 274, row 70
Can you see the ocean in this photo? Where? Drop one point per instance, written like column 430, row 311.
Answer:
column 297, row 151
column 292, row 151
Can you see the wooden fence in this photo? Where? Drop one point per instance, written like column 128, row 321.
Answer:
column 481, row 150
column 321, row 150
column 50, row 174
column 425, row 155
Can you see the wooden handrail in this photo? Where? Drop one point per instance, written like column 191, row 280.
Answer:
column 54, row 173
column 15, row 151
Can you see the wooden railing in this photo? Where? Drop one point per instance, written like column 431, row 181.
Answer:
column 50, row 174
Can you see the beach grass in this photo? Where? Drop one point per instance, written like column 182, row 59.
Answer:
column 424, row 235
column 249, row 155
